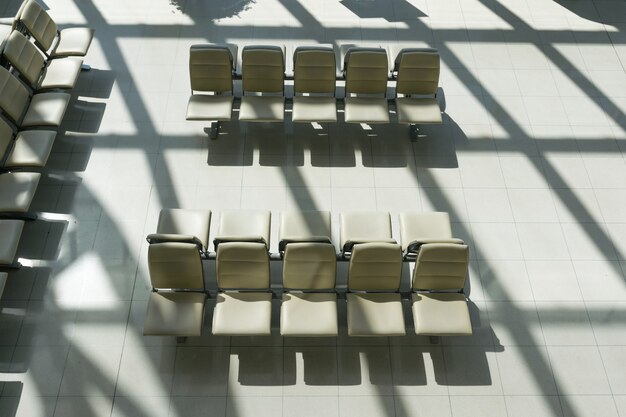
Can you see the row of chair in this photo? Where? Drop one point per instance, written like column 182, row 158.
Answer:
column 309, row 293
column 40, row 64
column 365, row 70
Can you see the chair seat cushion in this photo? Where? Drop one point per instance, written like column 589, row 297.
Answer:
column 61, row 73
column 366, row 110
column 46, row 109
column 174, row 314
column 242, row 314
column 441, row 314
column 314, row 109
column 421, row 226
column 375, row 314
column 304, row 225
column 418, row 110
column 74, row 41
column 3, row 280
column 206, row 107
column 365, row 226
column 308, row 314
column 244, row 225
column 11, row 231
column 17, row 191
column 262, row 109
column 194, row 223
column 32, row 148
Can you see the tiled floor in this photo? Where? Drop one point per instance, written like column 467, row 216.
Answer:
column 529, row 163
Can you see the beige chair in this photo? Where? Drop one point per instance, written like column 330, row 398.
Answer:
column 61, row 73
column 314, row 85
column 374, row 300
column 183, row 225
column 243, row 226
column 243, row 306
column 304, row 226
column 211, row 70
column 362, row 227
column 417, row 229
column 24, row 149
column 52, row 41
column 263, row 72
column 439, row 305
column 40, row 110
column 417, row 74
column 17, row 190
column 176, row 304
column 366, row 71
column 309, row 304
column 11, row 232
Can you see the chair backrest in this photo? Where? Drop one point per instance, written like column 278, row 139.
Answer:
column 175, row 265
column 366, row 71
column 39, row 24
column 242, row 265
column 309, row 266
column 375, row 267
column 24, row 56
column 211, row 68
column 441, row 266
column 418, row 71
column 14, row 96
column 314, row 69
column 6, row 138
column 263, row 69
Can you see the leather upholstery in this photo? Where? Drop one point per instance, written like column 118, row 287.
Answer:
column 73, row 42
column 6, row 138
column 263, row 69
column 175, row 265
column 46, row 109
column 366, row 71
column 244, row 225
column 441, row 266
column 365, row 226
column 416, row 226
column 309, row 266
column 441, row 314
column 262, row 109
column 11, row 231
column 372, row 110
column 242, row 265
column 3, row 280
column 13, row 95
column 418, row 71
column 308, row 109
column 314, row 70
column 308, row 314
column 375, row 267
column 375, row 314
column 210, row 107
column 194, row 223
column 413, row 110
column 305, row 225
column 31, row 149
column 174, row 314
column 211, row 68
column 242, row 314
column 17, row 190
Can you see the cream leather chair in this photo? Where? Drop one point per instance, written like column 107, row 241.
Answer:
column 366, row 71
column 309, row 304
column 176, row 304
column 211, row 69
column 40, row 110
column 11, row 232
column 374, row 301
column 183, row 225
column 243, row 226
column 17, row 190
column 304, row 226
column 26, row 149
column 417, row 229
column 61, row 73
column 52, row 41
column 362, row 227
column 263, row 71
column 417, row 74
column 314, row 85
column 243, row 306
column 439, row 305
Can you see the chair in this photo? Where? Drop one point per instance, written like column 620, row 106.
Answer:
column 417, row 229
column 176, row 304
column 24, row 149
column 183, row 225
column 61, row 73
column 243, row 226
column 365, row 71
column 211, row 70
column 263, row 71
column 17, row 190
column 304, row 226
column 374, row 301
column 362, row 227
column 243, row 306
column 417, row 74
column 309, row 304
column 40, row 110
column 439, row 305
column 314, row 75
column 52, row 41
column 11, row 232
column 3, row 280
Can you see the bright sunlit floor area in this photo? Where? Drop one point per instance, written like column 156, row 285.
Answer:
column 529, row 163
